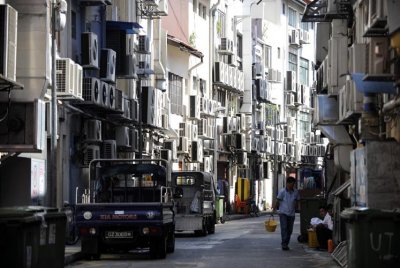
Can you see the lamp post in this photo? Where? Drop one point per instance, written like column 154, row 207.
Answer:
column 216, row 141
column 275, row 178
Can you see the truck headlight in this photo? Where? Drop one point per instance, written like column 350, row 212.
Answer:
column 87, row 215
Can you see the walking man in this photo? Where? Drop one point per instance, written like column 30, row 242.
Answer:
column 287, row 201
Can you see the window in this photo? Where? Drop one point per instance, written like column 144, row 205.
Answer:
column 175, row 93
column 220, row 24
column 204, row 12
column 185, row 180
column 304, row 124
column 292, row 17
column 73, row 24
column 303, row 75
column 268, row 56
column 303, row 25
column 293, row 60
column 283, row 9
column 195, row 6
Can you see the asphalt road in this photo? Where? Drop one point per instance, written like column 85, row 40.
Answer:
column 235, row 244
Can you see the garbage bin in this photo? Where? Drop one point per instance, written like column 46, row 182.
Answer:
column 373, row 237
column 309, row 208
column 32, row 236
column 20, row 235
column 220, row 207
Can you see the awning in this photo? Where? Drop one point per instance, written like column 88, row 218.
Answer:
column 336, row 134
column 128, row 27
column 173, row 41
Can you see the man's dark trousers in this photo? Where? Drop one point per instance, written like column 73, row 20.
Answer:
column 286, row 223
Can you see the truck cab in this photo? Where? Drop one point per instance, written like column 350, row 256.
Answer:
column 195, row 202
column 129, row 205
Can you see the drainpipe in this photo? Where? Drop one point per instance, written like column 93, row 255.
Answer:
column 211, row 57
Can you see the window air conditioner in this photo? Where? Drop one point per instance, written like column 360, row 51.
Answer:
column 92, row 131
column 171, row 145
column 294, row 37
column 65, row 77
column 122, row 137
column 149, row 107
column 8, row 41
column 119, row 105
column 134, row 139
column 194, row 112
column 107, row 65
column 109, row 149
column 219, row 70
column 203, row 127
column 78, row 76
column 163, row 8
column 91, row 90
column 185, row 130
column 232, row 61
column 206, row 164
column 111, row 96
column 134, row 109
column 91, row 152
column 104, row 95
column 183, row 145
column 143, row 44
column 203, row 105
column 226, row 46
column 291, row 81
column 195, row 133
column 289, row 99
column 197, row 151
column 241, row 157
column 90, row 50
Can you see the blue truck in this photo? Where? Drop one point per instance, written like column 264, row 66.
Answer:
column 129, row 205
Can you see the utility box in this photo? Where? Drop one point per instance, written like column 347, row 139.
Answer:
column 375, row 175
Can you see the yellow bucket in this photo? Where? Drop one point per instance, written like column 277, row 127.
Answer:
column 270, row 224
column 312, row 239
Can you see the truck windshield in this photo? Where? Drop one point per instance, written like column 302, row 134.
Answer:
column 185, row 180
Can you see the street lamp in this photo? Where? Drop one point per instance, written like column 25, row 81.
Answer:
column 275, row 178
column 216, row 141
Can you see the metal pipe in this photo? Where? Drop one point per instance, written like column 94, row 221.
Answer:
column 52, row 179
column 390, row 105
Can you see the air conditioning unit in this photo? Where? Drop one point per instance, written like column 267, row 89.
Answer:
column 165, row 121
column 111, row 96
column 149, row 106
column 122, row 137
column 119, row 100
column 8, row 42
column 377, row 14
column 134, row 109
column 109, row 149
column 107, row 65
column 233, row 126
column 272, row 75
column 143, row 44
column 183, row 146
column 261, row 87
column 304, row 37
column 134, row 139
column 163, row 8
column 92, row 131
column 241, row 157
column 220, row 75
column 153, row 3
column 299, row 95
column 261, row 145
column 291, row 81
column 144, row 66
column 197, row 151
column 194, row 111
column 206, row 164
column 378, row 58
column 289, row 99
column 294, row 38
column 203, row 127
column 357, row 58
column 91, row 92
column 258, row 70
column 226, row 121
column 226, row 46
column 104, row 95
column 255, row 144
column 78, row 76
column 65, row 77
column 204, row 105
column 185, row 130
column 130, row 66
column 91, row 152
column 171, row 145
column 232, row 61
column 195, row 133
column 90, row 50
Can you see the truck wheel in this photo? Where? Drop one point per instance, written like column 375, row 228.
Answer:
column 203, row 231
column 211, row 226
column 171, row 242
column 158, row 248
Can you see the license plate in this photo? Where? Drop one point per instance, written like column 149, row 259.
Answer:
column 123, row 234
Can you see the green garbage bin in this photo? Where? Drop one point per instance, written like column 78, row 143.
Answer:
column 19, row 238
column 373, row 237
column 36, row 234
column 220, row 207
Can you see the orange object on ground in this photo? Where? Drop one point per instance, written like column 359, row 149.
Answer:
column 330, row 246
